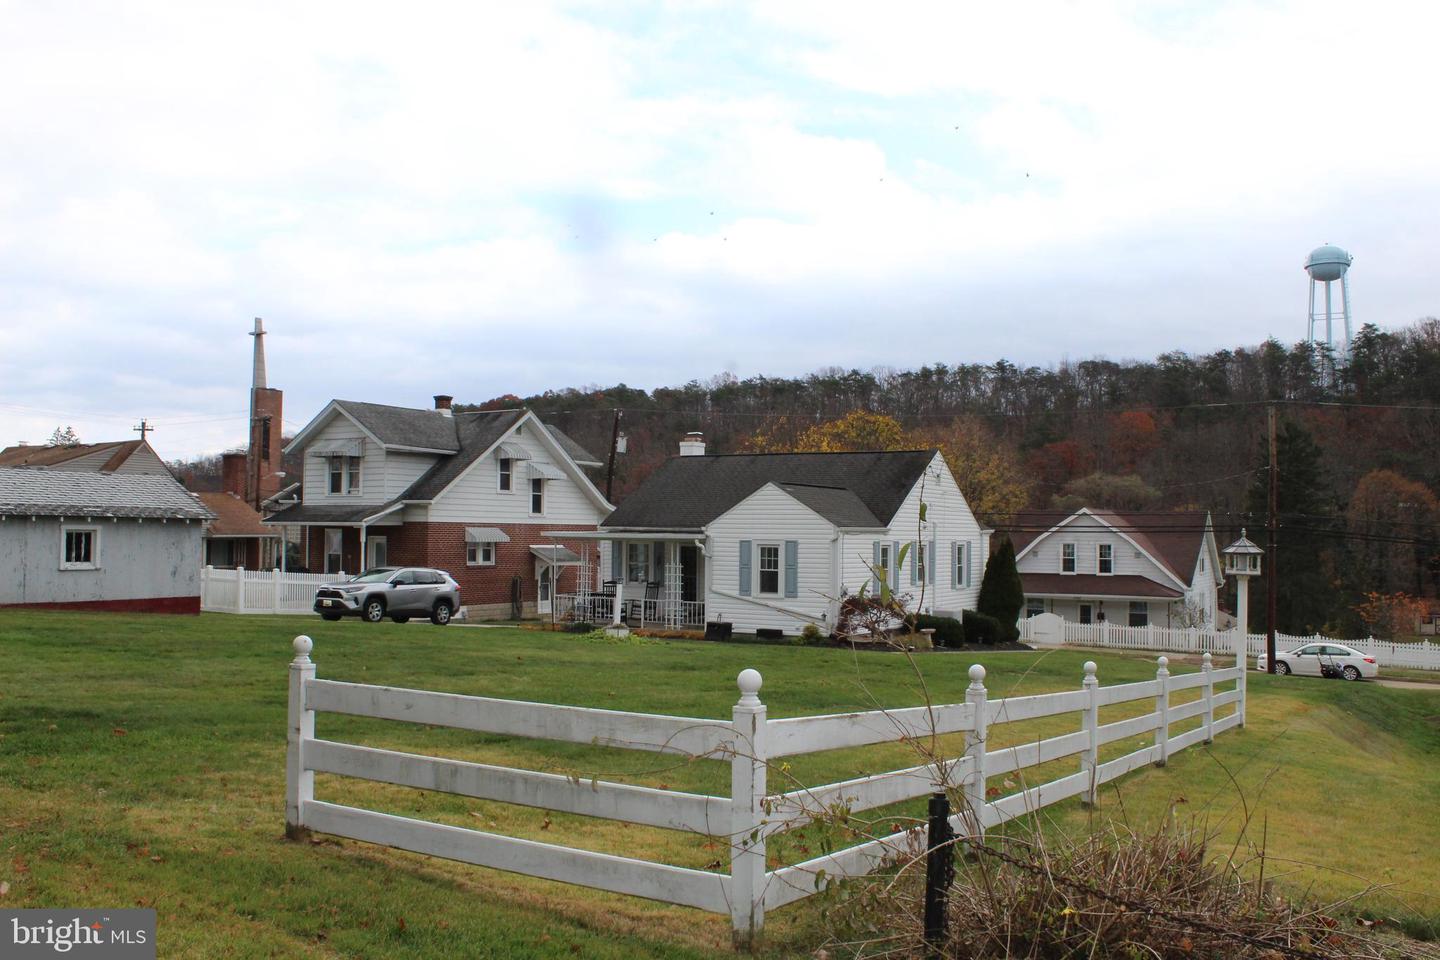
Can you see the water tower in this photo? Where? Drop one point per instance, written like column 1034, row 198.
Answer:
column 1326, row 265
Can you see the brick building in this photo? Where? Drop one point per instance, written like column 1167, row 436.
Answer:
column 473, row 494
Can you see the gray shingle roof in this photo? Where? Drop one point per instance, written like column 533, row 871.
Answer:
column 577, row 453
column 28, row 491
column 404, row 426
column 477, row 432
column 686, row 493
column 840, row 506
column 324, row 513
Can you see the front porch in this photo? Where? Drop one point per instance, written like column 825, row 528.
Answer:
column 652, row 579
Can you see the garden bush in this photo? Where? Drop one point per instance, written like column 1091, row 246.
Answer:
column 983, row 629
column 949, row 632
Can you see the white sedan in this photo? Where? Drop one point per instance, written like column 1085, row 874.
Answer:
column 1306, row 661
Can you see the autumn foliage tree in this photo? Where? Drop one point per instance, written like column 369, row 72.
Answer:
column 1390, row 518
column 1390, row 615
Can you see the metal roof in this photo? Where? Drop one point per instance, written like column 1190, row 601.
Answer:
column 26, row 491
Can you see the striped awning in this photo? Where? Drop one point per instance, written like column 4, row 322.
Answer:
column 338, row 448
column 486, row 535
column 546, row 470
column 512, row 451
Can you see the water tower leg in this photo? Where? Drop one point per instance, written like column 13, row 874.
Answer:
column 1345, row 301
column 1311, row 337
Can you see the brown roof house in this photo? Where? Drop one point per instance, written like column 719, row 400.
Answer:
column 1132, row 569
column 237, row 537
column 118, row 456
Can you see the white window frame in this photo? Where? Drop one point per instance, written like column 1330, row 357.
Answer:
column 334, row 475
column 480, row 554
column 637, row 557
column 505, row 475
column 537, row 489
column 1101, row 560
column 885, row 571
column 922, row 569
column 1073, row 558
column 94, row 562
column 339, row 553
column 760, row 570
column 353, row 478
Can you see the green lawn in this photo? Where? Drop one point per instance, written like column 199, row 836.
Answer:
column 142, row 762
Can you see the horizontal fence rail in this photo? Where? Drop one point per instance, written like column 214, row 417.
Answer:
column 260, row 591
column 748, row 742
column 1421, row 655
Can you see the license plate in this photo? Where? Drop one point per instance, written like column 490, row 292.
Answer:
column 327, row 603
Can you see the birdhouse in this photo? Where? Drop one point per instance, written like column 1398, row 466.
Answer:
column 1242, row 558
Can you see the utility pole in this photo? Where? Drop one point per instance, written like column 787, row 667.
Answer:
column 610, row 470
column 1270, row 522
column 143, row 429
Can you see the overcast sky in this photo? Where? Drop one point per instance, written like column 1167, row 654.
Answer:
column 501, row 198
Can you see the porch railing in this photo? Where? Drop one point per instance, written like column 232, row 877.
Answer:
column 600, row 608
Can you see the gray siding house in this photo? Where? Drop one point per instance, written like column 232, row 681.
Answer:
column 99, row 541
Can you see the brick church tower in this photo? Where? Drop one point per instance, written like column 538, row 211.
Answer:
column 252, row 476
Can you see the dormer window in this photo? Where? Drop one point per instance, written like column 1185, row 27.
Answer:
column 1067, row 558
column 344, row 474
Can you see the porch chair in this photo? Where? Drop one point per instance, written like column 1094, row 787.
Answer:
column 637, row 608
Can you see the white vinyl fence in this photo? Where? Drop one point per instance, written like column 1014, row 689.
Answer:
column 748, row 741
column 1050, row 628
column 260, row 591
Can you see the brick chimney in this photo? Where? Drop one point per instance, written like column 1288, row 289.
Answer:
column 442, row 403
column 693, row 445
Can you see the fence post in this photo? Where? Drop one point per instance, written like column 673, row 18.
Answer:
column 299, row 782
column 1090, row 759
column 975, row 695
column 1207, row 666
column 1242, row 664
column 207, row 588
column 939, row 871
column 239, row 589
column 275, row 586
column 1162, row 707
column 747, row 815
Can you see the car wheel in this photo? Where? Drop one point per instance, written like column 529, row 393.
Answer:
column 330, row 616
column 374, row 610
column 400, row 618
column 1282, row 668
column 441, row 614
column 1350, row 673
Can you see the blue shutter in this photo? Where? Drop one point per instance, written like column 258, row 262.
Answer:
column 969, row 559
column 875, row 571
column 894, row 571
column 930, row 563
column 617, row 560
column 956, row 574
column 792, row 568
column 744, row 590
column 914, row 566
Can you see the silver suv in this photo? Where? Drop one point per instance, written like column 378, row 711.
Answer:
column 395, row 592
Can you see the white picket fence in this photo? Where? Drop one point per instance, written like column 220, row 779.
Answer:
column 748, row 741
column 260, row 591
column 1049, row 628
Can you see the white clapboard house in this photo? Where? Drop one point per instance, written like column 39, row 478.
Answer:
column 1127, row 568
column 773, row 541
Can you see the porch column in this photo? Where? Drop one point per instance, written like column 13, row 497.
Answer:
column 671, row 590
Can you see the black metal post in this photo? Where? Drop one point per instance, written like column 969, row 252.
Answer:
column 939, row 871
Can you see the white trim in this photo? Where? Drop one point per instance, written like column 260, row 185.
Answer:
column 779, row 549
column 1074, row 559
column 94, row 530
column 478, row 547
column 501, row 473
column 532, row 492
column 1111, row 547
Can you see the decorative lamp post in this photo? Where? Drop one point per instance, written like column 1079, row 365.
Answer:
column 1242, row 561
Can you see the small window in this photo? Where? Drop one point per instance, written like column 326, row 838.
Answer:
column 921, row 568
column 637, row 562
column 769, row 569
column 1067, row 558
column 537, row 495
column 1202, row 563
column 1104, row 559
column 334, row 561
column 352, row 475
column 507, row 473
column 1139, row 613
column 480, row 554
column 337, row 475
column 1033, row 608
column 960, row 564
column 80, row 549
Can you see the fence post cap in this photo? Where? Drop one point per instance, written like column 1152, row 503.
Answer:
column 303, row 646
column 1205, row 659
column 1090, row 669
column 749, row 682
column 977, row 674
column 1163, row 662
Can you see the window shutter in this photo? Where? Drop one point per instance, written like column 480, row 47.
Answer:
column 969, row 559
column 957, row 575
column 914, row 566
column 617, row 560
column 792, row 568
column 930, row 562
column 744, row 590
column 875, row 571
column 895, row 565
column 657, row 560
